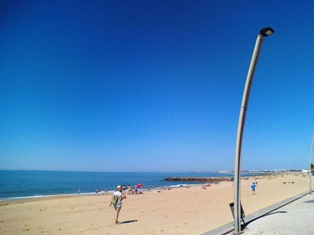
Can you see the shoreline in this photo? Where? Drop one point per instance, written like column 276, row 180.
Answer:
column 47, row 197
column 109, row 192
column 197, row 182
column 21, row 184
column 177, row 182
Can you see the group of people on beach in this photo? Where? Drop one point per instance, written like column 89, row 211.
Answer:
column 204, row 186
column 135, row 189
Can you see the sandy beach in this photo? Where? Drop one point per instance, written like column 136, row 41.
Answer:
column 178, row 211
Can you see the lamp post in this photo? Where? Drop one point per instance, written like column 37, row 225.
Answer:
column 245, row 99
column 310, row 166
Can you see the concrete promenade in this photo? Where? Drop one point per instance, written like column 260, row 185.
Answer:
column 293, row 216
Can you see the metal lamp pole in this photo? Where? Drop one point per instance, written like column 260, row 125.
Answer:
column 310, row 169
column 245, row 99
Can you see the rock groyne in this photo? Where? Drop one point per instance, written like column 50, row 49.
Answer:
column 199, row 179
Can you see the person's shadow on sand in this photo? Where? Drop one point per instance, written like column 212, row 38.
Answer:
column 127, row 221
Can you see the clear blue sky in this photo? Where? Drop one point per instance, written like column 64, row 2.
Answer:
column 154, row 85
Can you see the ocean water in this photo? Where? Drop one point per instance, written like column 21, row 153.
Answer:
column 24, row 184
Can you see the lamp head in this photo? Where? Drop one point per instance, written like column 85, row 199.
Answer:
column 265, row 32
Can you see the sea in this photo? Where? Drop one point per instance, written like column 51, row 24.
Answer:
column 19, row 184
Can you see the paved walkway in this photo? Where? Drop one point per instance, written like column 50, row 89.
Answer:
column 293, row 216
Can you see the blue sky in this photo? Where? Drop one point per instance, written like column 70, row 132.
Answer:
column 154, row 85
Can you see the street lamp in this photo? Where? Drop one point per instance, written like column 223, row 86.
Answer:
column 265, row 32
column 310, row 166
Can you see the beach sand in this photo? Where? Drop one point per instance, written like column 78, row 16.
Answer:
column 179, row 211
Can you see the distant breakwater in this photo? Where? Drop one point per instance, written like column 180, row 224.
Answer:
column 199, row 179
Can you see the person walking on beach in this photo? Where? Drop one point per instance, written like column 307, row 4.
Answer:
column 116, row 201
column 253, row 187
